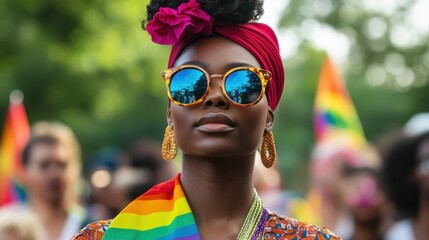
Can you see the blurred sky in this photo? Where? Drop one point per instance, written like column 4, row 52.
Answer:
column 338, row 45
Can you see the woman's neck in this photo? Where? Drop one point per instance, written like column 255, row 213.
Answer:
column 420, row 228
column 367, row 230
column 219, row 191
column 52, row 216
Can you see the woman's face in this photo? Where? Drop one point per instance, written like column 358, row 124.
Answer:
column 423, row 166
column 216, row 127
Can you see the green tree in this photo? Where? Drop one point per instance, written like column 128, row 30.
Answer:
column 85, row 63
column 386, row 68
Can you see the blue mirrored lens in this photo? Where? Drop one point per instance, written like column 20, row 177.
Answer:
column 188, row 85
column 243, row 86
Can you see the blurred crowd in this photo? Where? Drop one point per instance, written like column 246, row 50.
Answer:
column 379, row 192
column 62, row 197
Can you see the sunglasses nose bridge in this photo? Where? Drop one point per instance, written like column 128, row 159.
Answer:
column 215, row 80
column 220, row 76
column 215, row 96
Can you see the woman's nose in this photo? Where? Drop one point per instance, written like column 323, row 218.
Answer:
column 215, row 97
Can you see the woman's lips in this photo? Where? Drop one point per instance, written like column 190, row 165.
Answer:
column 215, row 128
column 215, row 123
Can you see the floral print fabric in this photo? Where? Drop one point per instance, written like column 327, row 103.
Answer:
column 277, row 227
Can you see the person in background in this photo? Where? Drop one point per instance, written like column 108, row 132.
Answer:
column 326, row 177
column 18, row 223
column 51, row 162
column 268, row 184
column 103, row 201
column 116, row 178
column 364, row 199
column 145, row 162
column 406, row 179
column 336, row 175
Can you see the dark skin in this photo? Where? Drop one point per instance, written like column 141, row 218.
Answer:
column 421, row 231
column 218, row 151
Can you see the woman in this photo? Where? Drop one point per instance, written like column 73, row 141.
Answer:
column 224, row 81
column 409, row 158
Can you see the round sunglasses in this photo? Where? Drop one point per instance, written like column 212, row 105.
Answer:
column 188, row 84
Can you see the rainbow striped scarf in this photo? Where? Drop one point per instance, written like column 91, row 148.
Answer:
column 161, row 213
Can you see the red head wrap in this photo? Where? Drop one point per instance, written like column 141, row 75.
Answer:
column 180, row 27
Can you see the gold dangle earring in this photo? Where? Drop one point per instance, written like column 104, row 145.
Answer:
column 268, row 150
column 169, row 149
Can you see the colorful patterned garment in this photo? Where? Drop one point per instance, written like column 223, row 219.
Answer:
column 164, row 213
column 93, row 231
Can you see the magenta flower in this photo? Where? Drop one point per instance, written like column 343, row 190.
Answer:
column 169, row 25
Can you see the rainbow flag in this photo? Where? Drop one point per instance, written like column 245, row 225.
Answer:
column 161, row 213
column 16, row 133
column 334, row 114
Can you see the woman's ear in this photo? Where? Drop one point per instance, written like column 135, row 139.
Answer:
column 270, row 120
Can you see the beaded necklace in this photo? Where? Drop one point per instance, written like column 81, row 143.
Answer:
column 254, row 223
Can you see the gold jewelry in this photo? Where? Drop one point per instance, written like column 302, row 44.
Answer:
column 268, row 150
column 252, row 219
column 169, row 149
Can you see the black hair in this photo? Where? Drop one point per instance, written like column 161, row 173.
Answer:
column 42, row 139
column 400, row 183
column 226, row 11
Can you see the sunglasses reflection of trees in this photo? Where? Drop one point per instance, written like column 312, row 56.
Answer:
column 191, row 92
column 200, row 87
column 249, row 91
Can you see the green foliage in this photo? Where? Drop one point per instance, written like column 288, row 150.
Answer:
column 294, row 116
column 386, row 74
column 387, row 48
column 87, row 64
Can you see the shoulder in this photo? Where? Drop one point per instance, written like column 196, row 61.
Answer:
column 93, row 231
column 281, row 227
column 400, row 230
